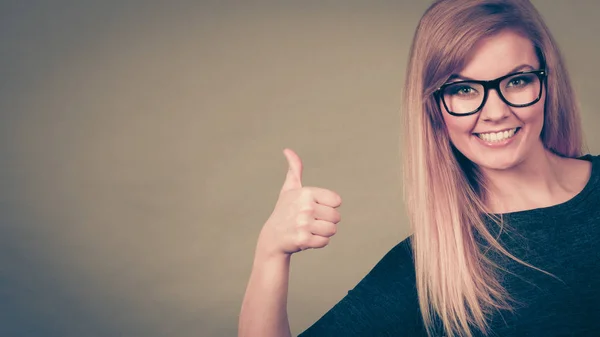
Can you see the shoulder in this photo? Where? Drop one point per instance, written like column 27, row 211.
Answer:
column 589, row 160
column 589, row 157
column 576, row 172
column 589, row 169
column 400, row 255
column 396, row 266
column 383, row 303
column 579, row 173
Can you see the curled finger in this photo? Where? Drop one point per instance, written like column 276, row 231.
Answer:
column 322, row 228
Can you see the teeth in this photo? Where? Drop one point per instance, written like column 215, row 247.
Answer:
column 497, row 136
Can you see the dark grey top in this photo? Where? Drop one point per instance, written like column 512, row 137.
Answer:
column 563, row 239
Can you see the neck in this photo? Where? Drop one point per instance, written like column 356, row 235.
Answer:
column 539, row 181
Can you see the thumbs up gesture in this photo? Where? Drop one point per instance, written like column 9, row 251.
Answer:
column 303, row 218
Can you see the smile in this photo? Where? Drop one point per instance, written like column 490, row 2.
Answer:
column 496, row 137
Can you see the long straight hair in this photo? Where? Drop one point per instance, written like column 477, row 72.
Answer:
column 444, row 192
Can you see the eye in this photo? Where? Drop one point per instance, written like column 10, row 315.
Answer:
column 461, row 90
column 520, row 81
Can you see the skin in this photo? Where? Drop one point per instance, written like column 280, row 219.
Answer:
column 522, row 174
column 304, row 217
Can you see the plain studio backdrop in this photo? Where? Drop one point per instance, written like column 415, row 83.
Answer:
column 141, row 152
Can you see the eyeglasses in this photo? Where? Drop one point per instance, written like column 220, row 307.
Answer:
column 463, row 98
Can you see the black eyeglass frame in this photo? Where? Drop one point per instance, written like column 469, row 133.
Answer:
column 493, row 84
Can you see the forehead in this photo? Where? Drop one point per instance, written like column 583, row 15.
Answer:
column 498, row 55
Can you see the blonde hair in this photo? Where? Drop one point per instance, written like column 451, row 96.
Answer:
column 444, row 192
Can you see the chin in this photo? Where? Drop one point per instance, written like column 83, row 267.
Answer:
column 497, row 163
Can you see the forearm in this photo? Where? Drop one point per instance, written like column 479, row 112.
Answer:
column 264, row 309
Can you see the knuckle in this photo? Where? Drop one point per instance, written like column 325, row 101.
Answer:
column 306, row 192
column 302, row 240
column 302, row 220
column 307, row 208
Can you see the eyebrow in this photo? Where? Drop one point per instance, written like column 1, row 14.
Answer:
column 514, row 70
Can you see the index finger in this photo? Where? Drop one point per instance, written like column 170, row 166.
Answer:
column 325, row 197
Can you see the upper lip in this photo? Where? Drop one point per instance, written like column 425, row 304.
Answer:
column 497, row 130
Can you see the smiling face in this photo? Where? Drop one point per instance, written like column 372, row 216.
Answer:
column 487, row 138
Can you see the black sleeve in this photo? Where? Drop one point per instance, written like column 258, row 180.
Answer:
column 383, row 303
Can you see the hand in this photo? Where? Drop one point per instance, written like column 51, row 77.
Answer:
column 304, row 217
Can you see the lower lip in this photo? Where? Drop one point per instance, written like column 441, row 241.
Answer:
column 501, row 143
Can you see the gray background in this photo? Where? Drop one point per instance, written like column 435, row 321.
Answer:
column 141, row 152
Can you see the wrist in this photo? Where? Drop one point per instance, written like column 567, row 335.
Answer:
column 267, row 249
column 265, row 255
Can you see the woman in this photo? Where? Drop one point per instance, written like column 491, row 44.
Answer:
column 505, row 211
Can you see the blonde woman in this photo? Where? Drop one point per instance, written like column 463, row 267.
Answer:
column 504, row 209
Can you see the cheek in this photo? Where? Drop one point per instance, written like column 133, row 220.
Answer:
column 532, row 116
column 459, row 128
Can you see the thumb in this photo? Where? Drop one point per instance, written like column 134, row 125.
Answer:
column 293, row 179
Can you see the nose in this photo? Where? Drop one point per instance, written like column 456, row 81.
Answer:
column 494, row 108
